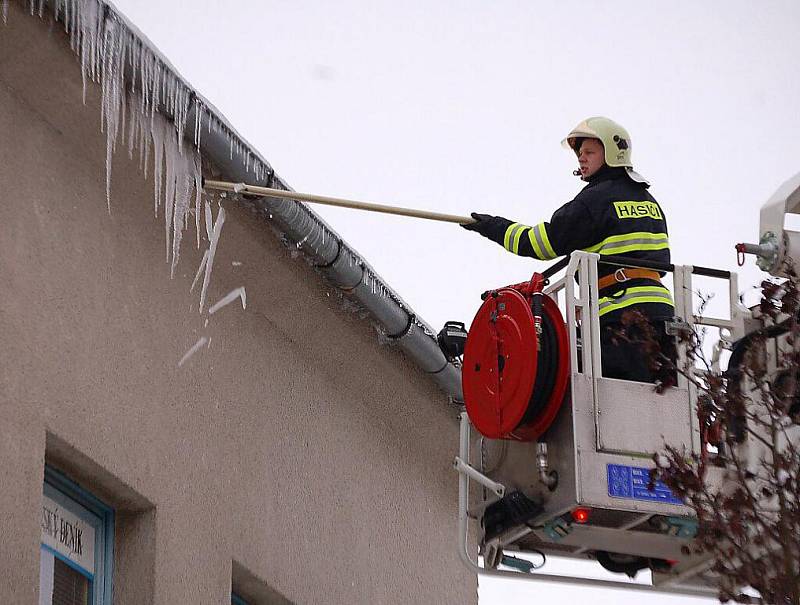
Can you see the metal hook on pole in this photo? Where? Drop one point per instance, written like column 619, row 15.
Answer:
column 333, row 201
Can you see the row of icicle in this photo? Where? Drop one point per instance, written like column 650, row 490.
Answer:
column 107, row 49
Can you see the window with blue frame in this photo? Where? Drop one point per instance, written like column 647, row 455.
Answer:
column 77, row 545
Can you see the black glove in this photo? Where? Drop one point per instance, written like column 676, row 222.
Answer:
column 484, row 223
column 493, row 227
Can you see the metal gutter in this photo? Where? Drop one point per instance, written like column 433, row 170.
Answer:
column 345, row 268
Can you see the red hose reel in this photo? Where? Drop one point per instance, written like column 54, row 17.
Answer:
column 516, row 362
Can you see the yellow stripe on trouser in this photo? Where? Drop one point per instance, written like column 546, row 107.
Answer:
column 634, row 296
column 631, row 242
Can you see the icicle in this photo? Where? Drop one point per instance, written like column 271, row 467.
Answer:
column 198, row 116
column 157, row 133
column 133, row 60
column 186, row 169
column 194, row 348
column 87, row 27
column 67, row 20
column 183, row 192
column 146, row 143
column 198, row 193
column 175, row 174
column 209, row 221
column 212, row 250
column 123, row 100
column 181, row 103
column 5, row 12
column 229, row 298
column 170, row 153
column 113, row 94
column 132, row 126
column 131, row 108
column 144, row 78
column 143, row 142
column 200, row 270
column 155, row 90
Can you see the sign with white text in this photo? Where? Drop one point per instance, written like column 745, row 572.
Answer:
column 632, row 482
column 68, row 535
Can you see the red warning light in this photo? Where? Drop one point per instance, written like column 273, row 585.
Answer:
column 581, row 515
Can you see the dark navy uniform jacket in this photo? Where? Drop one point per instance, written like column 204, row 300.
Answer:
column 613, row 215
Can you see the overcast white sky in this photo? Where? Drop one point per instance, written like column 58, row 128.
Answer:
column 460, row 106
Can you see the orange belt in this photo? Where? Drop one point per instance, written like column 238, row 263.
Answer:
column 624, row 274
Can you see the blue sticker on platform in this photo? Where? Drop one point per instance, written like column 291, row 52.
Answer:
column 631, row 482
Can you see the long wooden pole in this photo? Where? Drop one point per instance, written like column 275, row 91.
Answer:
column 335, row 201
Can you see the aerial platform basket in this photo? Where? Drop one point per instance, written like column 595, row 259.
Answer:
column 571, row 478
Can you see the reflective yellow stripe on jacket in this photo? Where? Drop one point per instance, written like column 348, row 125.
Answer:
column 630, row 242
column 541, row 243
column 635, row 296
column 537, row 235
column 511, row 239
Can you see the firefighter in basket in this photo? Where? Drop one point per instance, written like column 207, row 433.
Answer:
column 613, row 215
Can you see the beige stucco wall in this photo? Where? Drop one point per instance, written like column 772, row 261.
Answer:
column 295, row 451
